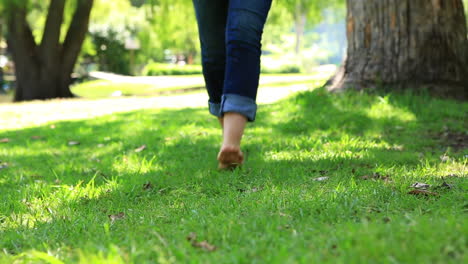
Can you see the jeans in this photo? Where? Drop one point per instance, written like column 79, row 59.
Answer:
column 230, row 37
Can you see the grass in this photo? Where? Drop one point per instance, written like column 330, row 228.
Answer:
column 103, row 202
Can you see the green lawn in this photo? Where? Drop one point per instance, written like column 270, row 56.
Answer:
column 326, row 180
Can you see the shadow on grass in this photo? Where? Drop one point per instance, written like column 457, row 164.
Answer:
column 179, row 163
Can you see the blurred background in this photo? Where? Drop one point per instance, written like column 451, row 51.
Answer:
column 160, row 38
column 146, row 38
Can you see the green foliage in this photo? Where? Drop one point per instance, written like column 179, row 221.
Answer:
column 155, row 69
column 283, row 69
column 172, row 25
column 57, row 198
column 111, row 53
column 465, row 4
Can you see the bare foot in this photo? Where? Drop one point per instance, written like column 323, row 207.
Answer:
column 230, row 157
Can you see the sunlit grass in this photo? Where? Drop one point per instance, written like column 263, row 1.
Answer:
column 326, row 180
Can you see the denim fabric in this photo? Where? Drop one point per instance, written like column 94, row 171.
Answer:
column 230, row 37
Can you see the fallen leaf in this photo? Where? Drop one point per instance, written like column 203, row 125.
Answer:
column 204, row 245
column 285, row 215
column 376, row 176
column 423, row 192
column 147, row 186
column 398, row 147
column 140, row 149
column 3, row 165
column 284, row 227
column 321, row 179
column 366, row 177
column 420, row 186
column 192, row 238
column 444, row 185
column 118, row 216
column 254, row 189
column 444, row 158
column 73, row 143
column 4, row 140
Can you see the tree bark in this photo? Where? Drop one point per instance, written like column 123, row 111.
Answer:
column 406, row 45
column 44, row 71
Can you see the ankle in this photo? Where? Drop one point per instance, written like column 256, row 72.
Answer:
column 230, row 145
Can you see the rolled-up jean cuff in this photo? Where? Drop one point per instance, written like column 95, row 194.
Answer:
column 215, row 109
column 239, row 104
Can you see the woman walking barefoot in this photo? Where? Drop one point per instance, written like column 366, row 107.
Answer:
column 230, row 35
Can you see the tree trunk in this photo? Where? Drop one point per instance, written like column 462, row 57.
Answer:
column 44, row 71
column 300, row 22
column 406, row 44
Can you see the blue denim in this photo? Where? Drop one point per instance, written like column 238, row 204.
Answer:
column 230, row 37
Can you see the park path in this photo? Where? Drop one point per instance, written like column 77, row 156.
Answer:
column 197, row 80
column 36, row 113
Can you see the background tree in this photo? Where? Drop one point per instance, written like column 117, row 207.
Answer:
column 406, row 44
column 306, row 12
column 43, row 69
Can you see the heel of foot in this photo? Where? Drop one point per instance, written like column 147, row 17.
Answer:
column 230, row 158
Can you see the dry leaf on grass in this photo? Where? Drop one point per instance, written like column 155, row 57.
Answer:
column 73, row 143
column 140, row 149
column 444, row 158
column 118, row 216
column 423, row 193
column 147, row 186
column 204, row 245
column 376, row 176
column 3, row 165
column 420, row 186
column 444, row 185
column 192, row 238
column 254, row 189
column 4, row 140
column 321, row 179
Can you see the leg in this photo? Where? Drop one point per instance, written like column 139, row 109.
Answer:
column 212, row 19
column 246, row 19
